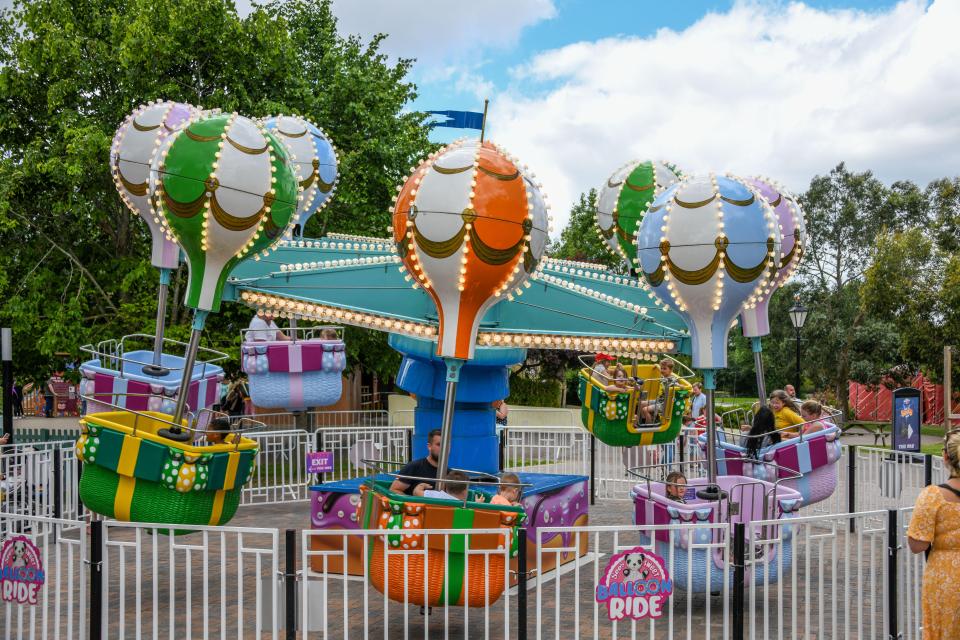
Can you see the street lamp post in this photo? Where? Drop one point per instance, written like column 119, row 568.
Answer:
column 798, row 316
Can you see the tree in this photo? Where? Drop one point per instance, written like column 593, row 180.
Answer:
column 579, row 240
column 74, row 264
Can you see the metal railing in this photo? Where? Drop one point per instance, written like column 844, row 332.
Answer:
column 112, row 353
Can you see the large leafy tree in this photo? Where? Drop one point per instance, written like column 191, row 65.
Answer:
column 74, row 264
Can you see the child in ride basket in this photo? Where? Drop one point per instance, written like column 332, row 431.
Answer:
column 510, row 493
column 676, row 486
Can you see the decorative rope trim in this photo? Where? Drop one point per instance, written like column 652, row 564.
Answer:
column 184, row 209
column 198, row 138
column 235, row 223
column 449, row 172
column 750, row 274
column 441, row 249
column 323, row 185
column 501, row 176
column 248, row 150
column 309, row 181
column 700, row 276
column 137, row 189
column 634, row 187
column 141, row 127
column 491, row 256
column 291, row 135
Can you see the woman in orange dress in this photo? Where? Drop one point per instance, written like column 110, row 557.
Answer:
column 936, row 522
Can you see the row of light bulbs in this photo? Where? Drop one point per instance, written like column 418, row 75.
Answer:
column 576, row 343
column 578, row 288
column 332, row 264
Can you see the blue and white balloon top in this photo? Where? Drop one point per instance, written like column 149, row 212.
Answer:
column 707, row 248
column 314, row 157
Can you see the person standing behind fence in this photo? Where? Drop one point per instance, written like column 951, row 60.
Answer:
column 935, row 525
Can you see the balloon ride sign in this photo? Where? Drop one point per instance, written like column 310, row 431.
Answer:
column 635, row 585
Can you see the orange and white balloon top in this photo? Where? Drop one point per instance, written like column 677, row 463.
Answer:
column 470, row 225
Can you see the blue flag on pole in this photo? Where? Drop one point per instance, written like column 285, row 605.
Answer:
column 459, row 119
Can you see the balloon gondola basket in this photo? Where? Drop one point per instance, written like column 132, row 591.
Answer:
column 411, row 567
column 295, row 374
column 120, row 374
column 133, row 474
column 696, row 555
column 806, row 463
column 610, row 415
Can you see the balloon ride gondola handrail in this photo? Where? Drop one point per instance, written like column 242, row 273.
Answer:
column 190, row 418
column 111, row 358
column 587, row 361
column 375, row 464
column 831, row 418
column 299, row 334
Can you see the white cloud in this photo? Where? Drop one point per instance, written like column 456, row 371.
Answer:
column 783, row 90
column 440, row 32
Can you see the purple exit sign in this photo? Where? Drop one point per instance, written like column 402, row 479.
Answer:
column 319, row 461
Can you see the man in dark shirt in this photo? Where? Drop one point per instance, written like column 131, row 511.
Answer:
column 420, row 468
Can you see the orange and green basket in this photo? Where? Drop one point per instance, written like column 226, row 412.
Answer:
column 453, row 569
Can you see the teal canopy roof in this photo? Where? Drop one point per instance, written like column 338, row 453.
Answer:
column 360, row 281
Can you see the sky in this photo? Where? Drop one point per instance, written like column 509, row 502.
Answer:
column 777, row 88
column 762, row 87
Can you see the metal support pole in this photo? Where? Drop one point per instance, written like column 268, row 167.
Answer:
column 593, row 469
column 156, row 369
column 96, row 579
column 796, row 385
column 758, row 366
column 711, row 491
column 483, row 123
column 190, row 357
column 290, row 583
column 893, row 548
column 409, row 445
column 852, row 484
column 6, row 347
column 502, row 457
column 947, row 387
column 449, row 404
column 57, row 482
column 739, row 566
column 927, row 470
column 522, row 584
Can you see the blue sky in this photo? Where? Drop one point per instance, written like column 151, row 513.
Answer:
column 576, row 21
column 784, row 89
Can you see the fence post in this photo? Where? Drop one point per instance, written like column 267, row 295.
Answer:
column 410, row 446
column 593, row 468
column 852, row 484
column 927, row 470
column 96, row 579
column 57, row 482
column 290, row 583
column 893, row 546
column 522, row 584
column 79, row 477
column 739, row 566
column 503, row 449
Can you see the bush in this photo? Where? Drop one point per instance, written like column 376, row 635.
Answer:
column 534, row 393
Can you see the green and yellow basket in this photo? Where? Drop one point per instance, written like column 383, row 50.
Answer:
column 609, row 416
column 447, row 572
column 132, row 474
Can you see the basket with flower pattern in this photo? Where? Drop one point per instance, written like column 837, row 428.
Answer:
column 132, row 474
column 463, row 570
column 608, row 415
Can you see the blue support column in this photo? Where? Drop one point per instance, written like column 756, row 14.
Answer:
column 474, row 444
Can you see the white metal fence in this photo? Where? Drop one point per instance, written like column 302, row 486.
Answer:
column 207, row 582
column 338, row 600
column 62, row 602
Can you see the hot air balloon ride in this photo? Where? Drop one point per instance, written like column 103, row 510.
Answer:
column 306, row 370
column 708, row 248
column 225, row 188
column 123, row 372
column 619, row 414
column 470, row 226
column 812, row 455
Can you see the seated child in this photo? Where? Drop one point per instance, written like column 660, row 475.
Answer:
column 507, row 494
column 329, row 334
column 454, row 485
column 676, row 486
column 812, row 413
column 220, row 431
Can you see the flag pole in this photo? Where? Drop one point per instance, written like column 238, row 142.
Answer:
column 483, row 125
